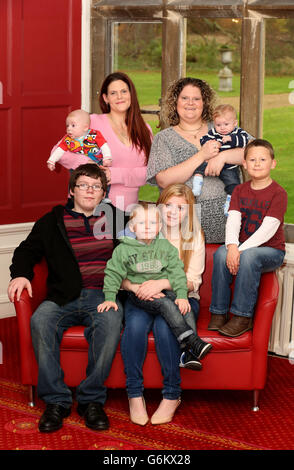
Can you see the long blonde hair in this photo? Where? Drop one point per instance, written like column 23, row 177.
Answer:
column 190, row 227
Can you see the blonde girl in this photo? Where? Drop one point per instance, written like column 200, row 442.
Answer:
column 182, row 228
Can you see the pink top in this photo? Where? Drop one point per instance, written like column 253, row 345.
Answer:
column 128, row 170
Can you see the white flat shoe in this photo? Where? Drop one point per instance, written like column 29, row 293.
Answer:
column 138, row 417
column 161, row 416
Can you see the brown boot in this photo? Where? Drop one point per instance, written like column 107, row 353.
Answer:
column 236, row 326
column 217, row 321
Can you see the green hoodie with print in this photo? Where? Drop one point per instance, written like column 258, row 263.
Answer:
column 139, row 262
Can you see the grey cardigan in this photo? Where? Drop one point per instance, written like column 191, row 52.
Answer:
column 169, row 149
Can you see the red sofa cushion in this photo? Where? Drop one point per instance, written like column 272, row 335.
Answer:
column 74, row 338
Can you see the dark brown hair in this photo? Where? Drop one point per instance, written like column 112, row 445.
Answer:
column 137, row 129
column 259, row 143
column 169, row 106
column 88, row 169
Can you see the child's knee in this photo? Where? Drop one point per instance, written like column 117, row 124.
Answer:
column 249, row 259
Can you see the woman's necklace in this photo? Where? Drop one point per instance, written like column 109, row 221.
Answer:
column 191, row 131
column 121, row 131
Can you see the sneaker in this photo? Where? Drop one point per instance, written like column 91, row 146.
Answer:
column 189, row 361
column 199, row 348
column 197, row 185
column 227, row 205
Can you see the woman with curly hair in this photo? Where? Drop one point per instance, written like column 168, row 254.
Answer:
column 176, row 151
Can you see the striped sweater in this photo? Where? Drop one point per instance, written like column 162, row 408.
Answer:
column 239, row 138
column 91, row 253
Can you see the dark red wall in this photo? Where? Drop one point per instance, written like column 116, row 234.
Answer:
column 40, row 71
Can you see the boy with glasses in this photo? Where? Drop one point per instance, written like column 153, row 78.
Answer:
column 76, row 242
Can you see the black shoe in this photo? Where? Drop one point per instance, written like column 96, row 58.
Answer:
column 189, row 361
column 198, row 347
column 95, row 416
column 52, row 418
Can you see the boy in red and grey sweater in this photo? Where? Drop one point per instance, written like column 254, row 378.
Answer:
column 254, row 243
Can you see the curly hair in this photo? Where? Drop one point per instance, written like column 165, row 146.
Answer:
column 169, row 106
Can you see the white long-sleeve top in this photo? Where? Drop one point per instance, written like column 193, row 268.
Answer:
column 196, row 265
column 266, row 231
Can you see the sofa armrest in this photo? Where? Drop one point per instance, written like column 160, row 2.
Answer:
column 264, row 312
column 24, row 308
column 265, row 308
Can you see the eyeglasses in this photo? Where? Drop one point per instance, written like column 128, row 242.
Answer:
column 85, row 187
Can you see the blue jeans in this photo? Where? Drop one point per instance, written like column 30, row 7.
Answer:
column 230, row 175
column 253, row 262
column 138, row 323
column 166, row 307
column 102, row 332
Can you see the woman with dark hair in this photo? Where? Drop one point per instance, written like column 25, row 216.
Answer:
column 127, row 135
column 176, row 151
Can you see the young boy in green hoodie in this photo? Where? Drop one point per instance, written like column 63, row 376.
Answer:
column 150, row 256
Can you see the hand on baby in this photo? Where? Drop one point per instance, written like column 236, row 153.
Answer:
column 210, row 149
column 184, row 305
column 107, row 162
column 226, row 138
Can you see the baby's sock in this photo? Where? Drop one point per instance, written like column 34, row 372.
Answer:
column 197, row 185
column 227, row 205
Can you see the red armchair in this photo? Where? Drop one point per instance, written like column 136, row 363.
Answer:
column 233, row 363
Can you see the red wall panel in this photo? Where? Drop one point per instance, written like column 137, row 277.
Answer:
column 36, row 122
column 40, row 62
column 5, row 181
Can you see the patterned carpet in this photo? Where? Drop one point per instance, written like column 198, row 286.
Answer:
column 206, row 420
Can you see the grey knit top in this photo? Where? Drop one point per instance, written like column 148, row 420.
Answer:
column 169, row 149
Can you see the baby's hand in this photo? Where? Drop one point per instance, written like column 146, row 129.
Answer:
column 107, row 161
column 107, row 305
column 51, row 166
column 184, row 305
column 226, row 138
